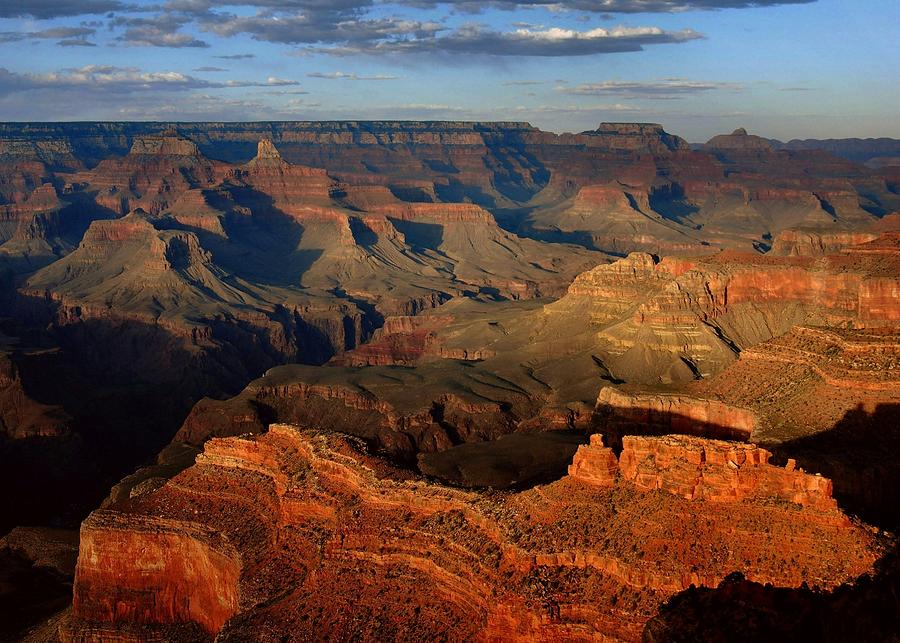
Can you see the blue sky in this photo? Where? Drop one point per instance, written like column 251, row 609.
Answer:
column 796, row 69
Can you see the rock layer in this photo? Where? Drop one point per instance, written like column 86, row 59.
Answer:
column 301, row 510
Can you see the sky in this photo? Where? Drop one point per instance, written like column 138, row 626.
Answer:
column 782, row 69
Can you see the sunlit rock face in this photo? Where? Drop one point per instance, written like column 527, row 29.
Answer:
column 281, row 532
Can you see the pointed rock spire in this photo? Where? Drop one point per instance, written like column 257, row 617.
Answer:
column 266, row 150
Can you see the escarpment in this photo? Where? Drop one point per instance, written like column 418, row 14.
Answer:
column 275, row 522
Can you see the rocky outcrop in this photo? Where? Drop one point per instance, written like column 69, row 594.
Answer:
column 595, row 463
column 286, row 531
column 154, row 174
column 739, row 141
column 164, row 146
column 289, row 186
column 635, row 137
column 803, row 243
column 701, row 469
column 719, row 471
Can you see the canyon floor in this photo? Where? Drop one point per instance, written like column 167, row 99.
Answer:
column 451, row 381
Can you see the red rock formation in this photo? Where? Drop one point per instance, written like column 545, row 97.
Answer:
column 147, row 570
column 701, row 469
column 808, row 243
column 718, row 471
column 299, row 535
column 595, row 463
column 294, row 189
column 155, row 173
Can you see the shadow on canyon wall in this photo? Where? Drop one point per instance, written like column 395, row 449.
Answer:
column 29, row 594
column 127, row 385
column 615, row 425
column 860, row 455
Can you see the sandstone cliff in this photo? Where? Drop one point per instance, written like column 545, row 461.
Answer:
column 261, row 534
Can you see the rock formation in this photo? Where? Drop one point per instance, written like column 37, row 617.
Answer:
column 261, row 534
column 701, row 469
column 155, row 172
column 595, row 463
column 802, row 243
column 718, row 471
column 739, row 141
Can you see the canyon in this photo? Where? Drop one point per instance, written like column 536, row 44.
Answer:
column 284, row 375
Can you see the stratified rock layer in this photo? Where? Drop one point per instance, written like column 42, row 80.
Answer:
column 621, row 413
column 296, row 534
column 716, row 470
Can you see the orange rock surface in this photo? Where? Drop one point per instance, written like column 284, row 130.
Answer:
column 716, row 470
column 303, row 535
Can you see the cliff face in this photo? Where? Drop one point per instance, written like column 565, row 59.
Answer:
column 165, row 571
column 621, row 413
column 702, row 312
column 300, row 510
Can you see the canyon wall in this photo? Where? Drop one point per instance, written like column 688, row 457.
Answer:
column 329, row 540
column 620, row 413
column 141, row 570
